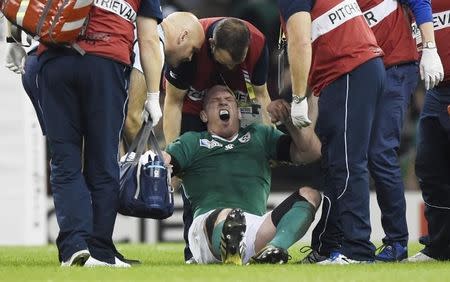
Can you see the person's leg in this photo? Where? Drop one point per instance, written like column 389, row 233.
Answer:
column 103, row 107
column 365, row 85
column 61, row 109
column 189, row 123
column 225, row 229
column 285, row 225
column 293, row 217
column 327, row 234
column 432, row 169
column 29, row 83
column 200, row 234
column 346, row 112
column 401, row 82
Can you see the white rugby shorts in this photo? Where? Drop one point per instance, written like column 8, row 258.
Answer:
column 198, row 239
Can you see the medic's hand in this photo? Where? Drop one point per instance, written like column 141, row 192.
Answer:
column 299, row 111
column 15, row 57
column 152, row 108
column 431, row 70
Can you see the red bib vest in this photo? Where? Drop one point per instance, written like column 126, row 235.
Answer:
column 441, row 22
column 208, row 70
column 391, row 25
column 110, row 30
column 341, row 41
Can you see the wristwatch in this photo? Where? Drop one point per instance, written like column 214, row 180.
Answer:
column 429, row 45
column 297, row 99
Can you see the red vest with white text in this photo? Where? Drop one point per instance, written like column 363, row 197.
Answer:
column 391, row 25
column 208, row 71
column 341, row 41
column 110, row 30
column 441, row 22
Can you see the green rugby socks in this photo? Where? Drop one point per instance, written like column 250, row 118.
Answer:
column 216, row 237
column 293, row 224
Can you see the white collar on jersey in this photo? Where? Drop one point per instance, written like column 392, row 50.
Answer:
column 223, row 139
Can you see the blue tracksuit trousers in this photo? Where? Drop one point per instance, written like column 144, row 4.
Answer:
column 84, row 102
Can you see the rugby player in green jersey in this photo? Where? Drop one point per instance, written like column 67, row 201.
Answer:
column 226, row 174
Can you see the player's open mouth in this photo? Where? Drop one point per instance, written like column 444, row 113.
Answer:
column 224, row 115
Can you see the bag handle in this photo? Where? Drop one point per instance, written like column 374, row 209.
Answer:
column 139, row 143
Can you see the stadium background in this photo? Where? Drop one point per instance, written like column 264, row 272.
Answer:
column 26, row 208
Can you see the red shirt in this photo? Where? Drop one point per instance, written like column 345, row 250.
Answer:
column 110, row 31
column 441, row 22
column 392, row 28
column 341, row 41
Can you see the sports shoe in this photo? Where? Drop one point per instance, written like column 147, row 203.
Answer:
column 337, row 258
column 77, row 259
column 271, row 254
column 420, row 257
column 92, row 262
column 191, row 261
column 392, row 252
column 231, row 244
column 312, row 257
column 127, row 260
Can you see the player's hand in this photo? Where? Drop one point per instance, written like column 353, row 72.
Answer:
column 431, row 70
column 279, row 111
column 299, row 111
column 152, row 108
column 15, row 58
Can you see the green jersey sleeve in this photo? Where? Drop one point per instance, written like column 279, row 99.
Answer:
column 183, row 149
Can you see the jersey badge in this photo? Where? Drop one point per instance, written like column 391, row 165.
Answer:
column 209, row 143
column 245, row 138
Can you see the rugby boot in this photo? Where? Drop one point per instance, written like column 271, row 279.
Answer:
column 232, row 244
column 271, row 254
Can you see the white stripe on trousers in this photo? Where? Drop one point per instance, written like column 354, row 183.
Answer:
column 345, row 140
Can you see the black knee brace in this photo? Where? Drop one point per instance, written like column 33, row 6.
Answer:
column 285, row 206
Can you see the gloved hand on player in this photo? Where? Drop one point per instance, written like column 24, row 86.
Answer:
column 152, row 108
column 431, row 70
column 15, row 57
column 299, row 111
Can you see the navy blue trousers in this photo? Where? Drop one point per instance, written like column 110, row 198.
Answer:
column 347, row 109
column 83, row 101
column 433, row 170
column 401, row 82
column 29, row 82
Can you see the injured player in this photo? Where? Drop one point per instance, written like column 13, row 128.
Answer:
column 226, row 174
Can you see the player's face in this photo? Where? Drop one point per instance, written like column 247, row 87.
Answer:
column 222, row 114
column 223, row 57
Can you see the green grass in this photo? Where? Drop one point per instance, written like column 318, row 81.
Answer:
column 164, row 262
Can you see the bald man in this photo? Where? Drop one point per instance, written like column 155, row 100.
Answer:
column 181, row 35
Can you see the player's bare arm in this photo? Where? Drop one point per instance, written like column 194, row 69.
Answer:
column 173, row 105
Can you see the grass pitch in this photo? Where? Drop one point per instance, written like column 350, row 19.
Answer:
column 164, row 262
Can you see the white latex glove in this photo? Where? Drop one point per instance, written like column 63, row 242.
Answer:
column 15, row 57
column 299, row 113
column 431, row 70
column 152, row 108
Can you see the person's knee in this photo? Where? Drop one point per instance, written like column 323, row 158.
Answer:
column 311, row 195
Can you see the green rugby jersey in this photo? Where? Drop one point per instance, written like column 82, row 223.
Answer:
column 218, row 173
